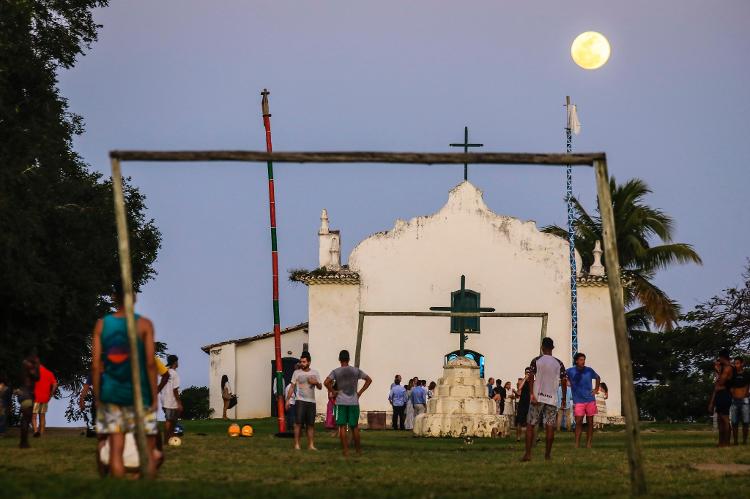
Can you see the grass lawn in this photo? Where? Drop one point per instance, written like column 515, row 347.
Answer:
column 394, row 464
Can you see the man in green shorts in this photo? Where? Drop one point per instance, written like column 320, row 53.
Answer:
column 347, row 396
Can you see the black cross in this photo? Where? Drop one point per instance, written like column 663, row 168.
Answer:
column 466, row 147
column 460, row 306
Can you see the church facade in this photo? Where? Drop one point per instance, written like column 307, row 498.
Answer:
column 374, row 306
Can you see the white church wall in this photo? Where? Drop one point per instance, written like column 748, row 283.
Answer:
column 254, row 358
column 221, row 361
column 333, row 319
column 597, row 340
column 418, row 264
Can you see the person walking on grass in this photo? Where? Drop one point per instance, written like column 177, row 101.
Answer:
column 342, row 384
column 721, row 398
column 111, row 376
column 580, row 377
column 170, row 398
column 546, row 373
column 44, row 389
column 397, row 399
column 739, row 386
column 304, row 382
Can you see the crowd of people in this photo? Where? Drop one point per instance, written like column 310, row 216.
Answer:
column 730, row 399
column 109, row 388
column 408, row 402
column 342, row 413
column 514, row 402
column 548, row 396
column 38, row 386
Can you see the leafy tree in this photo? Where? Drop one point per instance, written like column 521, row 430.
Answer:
column 674, row 369
column 638, row 225
column 195, row 403
column 58, row 243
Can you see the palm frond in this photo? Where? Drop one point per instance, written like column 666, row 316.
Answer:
column 661, row 257
column 662, row 310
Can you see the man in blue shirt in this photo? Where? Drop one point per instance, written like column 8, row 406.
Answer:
column 580, row 377
column 419, row 399
column 397, row 398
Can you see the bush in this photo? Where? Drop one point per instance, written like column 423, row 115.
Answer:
column 195, row 403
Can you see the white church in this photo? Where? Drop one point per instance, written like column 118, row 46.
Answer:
column 508, row 264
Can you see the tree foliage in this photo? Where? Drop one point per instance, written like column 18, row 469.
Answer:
column 58, row 244
column 195, row 403
column 674, row 369
column 638, row 226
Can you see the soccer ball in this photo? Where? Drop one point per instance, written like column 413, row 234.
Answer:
column 174, row 441
column 234, row 430
column 247, row 431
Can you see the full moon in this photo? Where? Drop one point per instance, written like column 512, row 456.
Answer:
column 590, row 50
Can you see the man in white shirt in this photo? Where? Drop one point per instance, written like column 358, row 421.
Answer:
column 170, row 398
column 547, row 372
column 303, row 385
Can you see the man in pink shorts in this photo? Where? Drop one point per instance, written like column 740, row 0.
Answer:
column 580, row 378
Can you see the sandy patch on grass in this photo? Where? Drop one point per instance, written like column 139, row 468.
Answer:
column 728, row 469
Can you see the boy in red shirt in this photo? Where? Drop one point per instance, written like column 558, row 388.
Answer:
column 43, row 391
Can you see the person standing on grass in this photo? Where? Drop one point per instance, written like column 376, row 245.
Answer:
column 419, row 399
column 739, row 386
column 25, row 394
column 510, row 401
column 721, row 398
column 6, row 396
column 524, row 400
column 44, row 388
column 226, row 395
column 565, row 414
column 397, row 398
column 304, row 382
column 491, row 387
column 546, row 373
column 581, row 377
column 342, row 384
column 111, row 375
column 170, row 398
column 500, row 390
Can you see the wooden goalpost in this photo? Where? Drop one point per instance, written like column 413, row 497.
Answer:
column 596, row 160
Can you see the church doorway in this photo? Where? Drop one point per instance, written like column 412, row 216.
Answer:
column 469, row 354
column 287, row 364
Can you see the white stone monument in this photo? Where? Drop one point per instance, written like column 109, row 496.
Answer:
column 460, row 406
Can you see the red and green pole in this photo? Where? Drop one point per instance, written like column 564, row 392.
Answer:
column 275, row 265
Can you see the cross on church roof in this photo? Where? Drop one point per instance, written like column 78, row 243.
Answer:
column 466, row 145
column 461, row 304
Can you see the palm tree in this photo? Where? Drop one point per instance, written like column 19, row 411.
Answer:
column 638, row 226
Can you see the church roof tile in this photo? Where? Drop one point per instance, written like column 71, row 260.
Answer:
column 302, row 326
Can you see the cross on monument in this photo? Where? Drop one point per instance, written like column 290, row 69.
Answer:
column 462, row 305
column 466, row 145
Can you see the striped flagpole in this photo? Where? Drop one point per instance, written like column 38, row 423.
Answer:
column 275, row 265
column 571, row 232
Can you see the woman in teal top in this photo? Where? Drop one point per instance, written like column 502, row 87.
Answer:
column 117, row 377
column 113, row 386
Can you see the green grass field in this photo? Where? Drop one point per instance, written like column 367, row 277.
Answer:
column 393, row 465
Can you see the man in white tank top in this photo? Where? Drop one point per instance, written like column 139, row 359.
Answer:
column 547, row 372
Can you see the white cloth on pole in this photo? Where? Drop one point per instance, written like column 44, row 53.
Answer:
column 573, row 122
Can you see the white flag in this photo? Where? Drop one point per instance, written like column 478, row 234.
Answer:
column 573, row 122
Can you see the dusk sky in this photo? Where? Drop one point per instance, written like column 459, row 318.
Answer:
column 671, row 107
